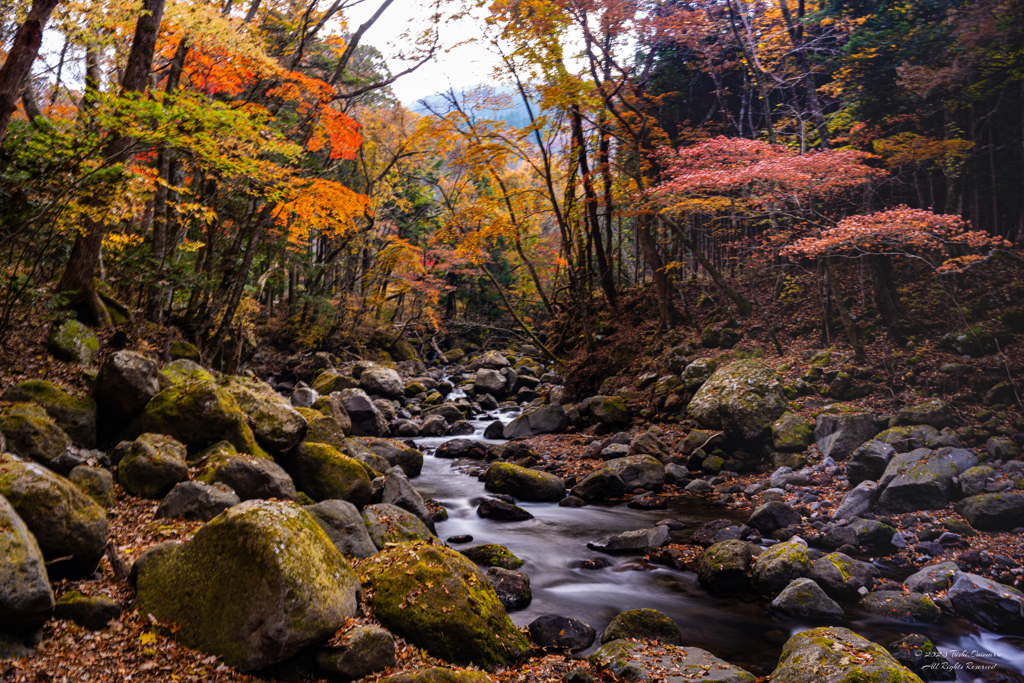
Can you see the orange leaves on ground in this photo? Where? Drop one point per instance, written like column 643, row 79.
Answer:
column 319, row 207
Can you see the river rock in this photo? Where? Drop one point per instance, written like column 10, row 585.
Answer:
column 906, row 439
column 366, row 650
column 397, row 453
column 841, row 576
column 93, row 612
column 152, row 466
column 198, row 414
column 631, row 541
column 610, row 411
column 742, row 398
column 918, row 654
column 382, row 382
column 858, row 500
column 391, row 524
column 523, row 483
column 631, row 661
column 75, row 415
column 805, row 598
column 344, row 526
column 838, row 435
column 490, row 360
column 196, row 501
column 461, row 448
column 902, row 606
column 248, row 476
column 933, row 578
column 366, row 418
column 492, row 555
column 275, row 423
column 993, row 511
column 511, row 587
column 330, row 381
column 723, row 567
column 95, row 482
column 323, row 473
column 792, row 432
column 255, row 585
column 399, row 492
column 921, row 480
column 933, row 412
column 643, row 624
column 556, row 631
column 434, row 598
column 70, row 528
column 489, row 382
column 837, row 655
column 73, row 342
column 779, row 565
column 125, row 384
column 31, row 433
column 542, row 420
column 26, row 599
column 995, row 606
column 773, row 516
column 494, row 508
column 869, row 461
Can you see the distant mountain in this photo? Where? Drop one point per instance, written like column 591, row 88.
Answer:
column 515, row 114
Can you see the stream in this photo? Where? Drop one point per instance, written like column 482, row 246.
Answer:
column 740, row 630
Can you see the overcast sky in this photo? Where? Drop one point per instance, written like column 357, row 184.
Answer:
column 459, row 67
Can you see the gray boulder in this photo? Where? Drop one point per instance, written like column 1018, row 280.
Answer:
column 400, row 493
column 93, row 612
column 841, row 577
column 324, row 473
column 858, row 500
column 73, row 342
column 933, row 579
column 366, row 650
column 152, row 466
column 649, row 444
column 32, row 434
column 723, row 567
column 792, row 432
column 196, row 501
column 840, row 434
column 905, row 439
column 382, row 381
column 872, row 533
column 556, row 631
column 868, row 462
column 489, row 382
column 511, row 587
column 620, row 476
column 125, row 384
column 542, row 420
column 993, row 511
column 773, row 516
column 743, row 399
column 391, row 524
column 779, row 565
column 837, row 655
column 610, row 411
column 366, row 419
column 804, row 598
column 933, row 412
column 277, row 425
column 524, row 484
column 255, row 585
column 631, row 661
column 490, row 360
column 631, row 541
column 95, row 482
column 902, row 606
column 249, row 476
column 26, row 599
column 974, row 480
column 344, row 526
column 921, row 480
column 70, row 528
column 995, row 606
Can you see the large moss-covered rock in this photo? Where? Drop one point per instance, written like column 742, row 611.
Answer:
column 436, row 599
column 493, row 555
column 979, row 340
column 777, row 566
column 26, row 599
column 180, row 349
column 73, row 342
column 198, row 414
column 837, row 655
column 73, row 414
column 388, row 523
column 993, row 511
column 643, row 624
column 93, row 612
column 32, row 434
column 902, row 606
column 804, row 598
column 276, row 424
column 610, row 411
column 184, row 370
column 920, row 480
column 524, row 484
column 152, row 466
column 255, row 585
column 629, row 661
column 541, row 420
column 70, row 528
column 332, row 407
column 742, row 399
column 323, row 473
column 792, row 432
column 95, row 482
column 396, row 453
column 723, row 567
column 330, row 381
column 249, row 476
column 841, row 576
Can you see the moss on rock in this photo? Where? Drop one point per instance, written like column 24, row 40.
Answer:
column 73, row 342
column 643, row 624
column 180, row 349
column 324, row 474
column 73, row 414
column 275, row 423
column 837, row 655
column 524, row 484
column 152, row 466
column 493, row 555
column 185, row 370
column 32, row 434
column 388, row 523
column 436, row 599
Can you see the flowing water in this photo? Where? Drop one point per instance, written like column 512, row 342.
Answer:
column 740, row 630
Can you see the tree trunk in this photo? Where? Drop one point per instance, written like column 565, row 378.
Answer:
column 796, row 37
column 607, row 283
column 744, row 306
column 849, row 324
column 18, row 64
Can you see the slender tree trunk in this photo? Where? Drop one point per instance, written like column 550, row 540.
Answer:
column 796, row 36
column 744, row 306
column 607, row 282
column 844, row 314
column 18, row 64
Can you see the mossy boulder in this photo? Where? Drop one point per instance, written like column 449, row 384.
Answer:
column 838, row 434
column 805, row 598
column 493, row 555
column 437, row 600
column 70, row 528
column 920, row 480
column 933, row 578
column 95, row 482
column 620, row 476
column 777, row 566
column 329, row 381
column 792, row 432
column 976, row 341
column 93, row 612
column 388, row 523
column 366, row 650
column 323, row 428
column 841, row 576
column 32, row 434
column 629, row 661
column 396, row 453
column 643, row 624
column 906, row 439
column 993, row 511
column 185, row 370
column 275, row 423
column 73, row 414
column 180, row 349
column 249, row 476
column 723, row 567
column 933, row 412
column 73, row 342
column 152, row 466
column 438, row 675
column 26, row 599
column 742, row 399
column 902, row 606
column 323, row 473
column 366, row 418
column 198, row 414
column 611, row 411
column 524, row 484
column 255, row 585
column 837, row 655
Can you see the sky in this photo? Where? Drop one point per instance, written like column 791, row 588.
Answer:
column 456, row 67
